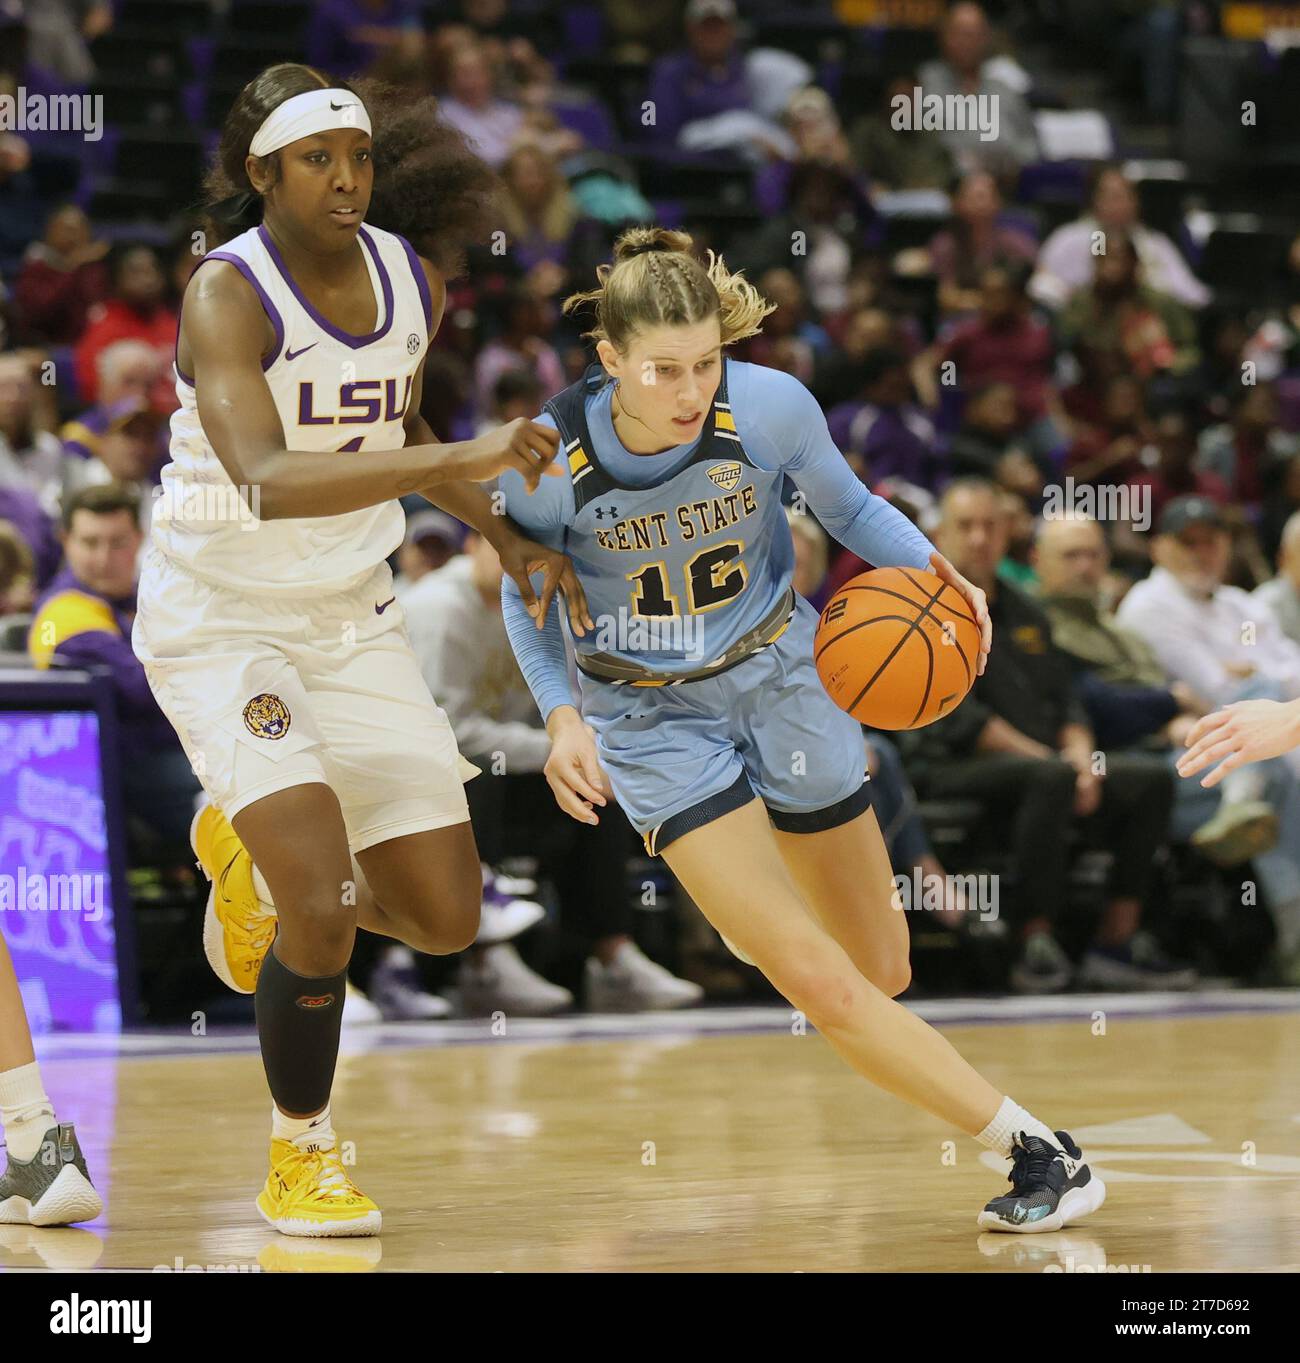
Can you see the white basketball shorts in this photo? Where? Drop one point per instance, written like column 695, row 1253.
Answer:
column 267, row 693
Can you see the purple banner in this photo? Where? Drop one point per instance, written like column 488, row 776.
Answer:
column 56, row 898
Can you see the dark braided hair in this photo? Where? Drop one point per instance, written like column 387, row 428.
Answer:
column 429, row 186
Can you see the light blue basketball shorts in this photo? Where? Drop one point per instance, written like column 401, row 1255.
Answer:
column 679, row 757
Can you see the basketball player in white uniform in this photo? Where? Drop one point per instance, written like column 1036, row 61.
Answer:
column 267, row 623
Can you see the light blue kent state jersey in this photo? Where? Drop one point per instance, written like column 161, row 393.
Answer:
column 682, row 553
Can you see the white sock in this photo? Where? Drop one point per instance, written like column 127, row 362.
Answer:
column 261, row 889
column 26, row 1112
column 311, row 1133
column 1010, row 1119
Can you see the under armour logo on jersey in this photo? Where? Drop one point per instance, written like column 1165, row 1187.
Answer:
column 601, row 511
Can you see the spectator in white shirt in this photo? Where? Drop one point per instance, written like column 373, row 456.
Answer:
column 490, row 124
column 1066, row 261
column 1281, row 594
column 1227, row 646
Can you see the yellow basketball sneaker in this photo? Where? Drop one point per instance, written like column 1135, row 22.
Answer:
column 238, row 928
column 308, row 1192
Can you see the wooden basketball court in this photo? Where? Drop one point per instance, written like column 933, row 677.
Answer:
column 715, row 1140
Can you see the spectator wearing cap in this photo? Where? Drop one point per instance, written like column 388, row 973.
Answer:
column 84, row 619
column 456, row 628
column 1129, row 699
column 1281, row 594
column 63, row 276
column 1069, row 256
column 1214, row 637
column 707, row 98
column 432, row 539
column 963, row 70
column 137, row 309
column 122, row 438
column 1226, row 646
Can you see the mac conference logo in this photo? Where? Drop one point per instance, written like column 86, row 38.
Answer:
column 726, row 476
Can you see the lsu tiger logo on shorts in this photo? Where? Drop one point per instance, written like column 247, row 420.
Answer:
column 267, row 716
column 726, row 476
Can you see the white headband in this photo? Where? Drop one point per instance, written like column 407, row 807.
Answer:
column 315, row 112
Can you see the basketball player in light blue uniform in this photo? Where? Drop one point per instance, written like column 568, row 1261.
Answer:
column 686, row 558
column 701, row 707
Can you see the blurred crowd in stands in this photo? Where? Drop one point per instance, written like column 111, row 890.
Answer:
column 1094, row 414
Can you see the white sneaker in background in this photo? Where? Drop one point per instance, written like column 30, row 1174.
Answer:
column 633, row 983
column 497, row 979
column 505, row 915
column 358, row 1011
column 396, row 990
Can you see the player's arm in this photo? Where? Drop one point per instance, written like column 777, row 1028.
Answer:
column 469, row 503
column 573, row 769
column 785, row 423
column 224, row 331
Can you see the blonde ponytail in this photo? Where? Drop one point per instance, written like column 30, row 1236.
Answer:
column 655, row 280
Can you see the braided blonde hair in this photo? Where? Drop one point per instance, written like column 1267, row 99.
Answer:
column 655, row 280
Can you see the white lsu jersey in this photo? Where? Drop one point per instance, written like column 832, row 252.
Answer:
column 333, row 391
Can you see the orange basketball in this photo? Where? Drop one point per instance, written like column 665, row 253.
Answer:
column 897, row 648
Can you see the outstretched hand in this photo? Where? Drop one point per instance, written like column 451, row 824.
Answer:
column 1241, row 732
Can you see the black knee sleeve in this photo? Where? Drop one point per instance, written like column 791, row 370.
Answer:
column 298, row 1022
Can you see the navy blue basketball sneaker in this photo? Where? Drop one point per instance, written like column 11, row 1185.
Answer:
column 1051, row 1187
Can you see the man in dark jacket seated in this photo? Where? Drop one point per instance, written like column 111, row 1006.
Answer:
column 1022, row 742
